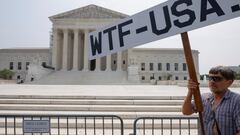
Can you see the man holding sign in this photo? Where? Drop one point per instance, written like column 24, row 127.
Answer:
column 221, row 107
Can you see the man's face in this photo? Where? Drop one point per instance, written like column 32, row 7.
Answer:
column 218, row 84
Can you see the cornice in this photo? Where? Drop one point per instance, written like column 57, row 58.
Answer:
column 89, row 12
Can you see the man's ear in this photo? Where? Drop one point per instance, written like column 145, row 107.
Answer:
column 230, row 82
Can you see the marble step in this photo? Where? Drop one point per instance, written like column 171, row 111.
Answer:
column 124, row 115
column 106, row 108
column 92, row 97
column 91, row 102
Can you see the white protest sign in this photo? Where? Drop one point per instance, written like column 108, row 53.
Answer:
column 161, row 21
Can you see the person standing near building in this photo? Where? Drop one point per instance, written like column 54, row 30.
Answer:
column 221, row 114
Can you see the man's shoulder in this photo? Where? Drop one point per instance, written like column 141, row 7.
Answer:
column 235, row 95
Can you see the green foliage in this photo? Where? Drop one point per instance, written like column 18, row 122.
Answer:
column 238, row 76
column 6, row 73
column 201, row 77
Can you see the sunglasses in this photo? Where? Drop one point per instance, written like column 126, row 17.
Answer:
column 215, row 78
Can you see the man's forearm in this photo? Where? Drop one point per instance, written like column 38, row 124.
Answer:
column 187, row 105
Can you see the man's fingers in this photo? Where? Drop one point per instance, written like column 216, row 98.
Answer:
column 192, row 84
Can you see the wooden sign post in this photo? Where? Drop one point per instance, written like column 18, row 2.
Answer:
column 193, row 76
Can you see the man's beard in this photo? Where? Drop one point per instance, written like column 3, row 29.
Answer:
column 216, row 91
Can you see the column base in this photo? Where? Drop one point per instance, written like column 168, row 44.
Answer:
column 63, row 70
column 75, row 69
column 97, row 70
column 108, row 70
column 85, row 70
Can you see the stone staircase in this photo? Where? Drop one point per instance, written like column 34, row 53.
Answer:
column 127, row 107
column 83, row 78
column 92, row 104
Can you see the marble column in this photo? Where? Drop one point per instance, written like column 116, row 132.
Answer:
column 65, row 50
column 108, row 63
column 119, row 61
column 55, row 50
column 98, row 64
column 76, row 50
column 85, row 60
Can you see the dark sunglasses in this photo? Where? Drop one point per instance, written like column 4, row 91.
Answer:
column 215, row 78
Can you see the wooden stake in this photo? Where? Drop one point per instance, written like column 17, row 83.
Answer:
column 193, row 76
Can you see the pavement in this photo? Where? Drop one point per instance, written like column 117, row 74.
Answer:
column 98, row 90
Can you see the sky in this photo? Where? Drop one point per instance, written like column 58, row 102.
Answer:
column 25, row 23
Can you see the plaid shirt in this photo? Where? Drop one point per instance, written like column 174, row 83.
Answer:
column 227, row 113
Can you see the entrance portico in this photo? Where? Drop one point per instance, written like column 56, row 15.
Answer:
column 70, row 34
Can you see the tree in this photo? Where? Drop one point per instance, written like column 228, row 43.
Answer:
column 238, row 76
column 6, row 74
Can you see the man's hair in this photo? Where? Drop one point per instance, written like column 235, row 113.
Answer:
column 225, row 71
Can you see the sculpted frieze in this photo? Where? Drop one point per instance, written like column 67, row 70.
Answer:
column 90, row 12
column 94, row 13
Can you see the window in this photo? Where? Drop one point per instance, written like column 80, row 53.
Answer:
column 114, row 62
column 176, row 66
column 142, row 66
column 124, row 62
column 151, row 66
column 168, row 66
column 19, row 65
column 143, row 77
column 159, row 66
column 11, row 67
column 184, row 67
column 27, row 64
column 184, row 78
column 159, row 78
column 176, row 78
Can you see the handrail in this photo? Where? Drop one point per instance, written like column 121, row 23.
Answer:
column 153, row 124
column 87, row 123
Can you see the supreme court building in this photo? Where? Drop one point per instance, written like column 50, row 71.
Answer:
column 67, row 58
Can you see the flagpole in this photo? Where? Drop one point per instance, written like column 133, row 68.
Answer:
column 193, row 76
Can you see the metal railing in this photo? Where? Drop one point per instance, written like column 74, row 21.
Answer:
column 166, row 126
column 62, row 124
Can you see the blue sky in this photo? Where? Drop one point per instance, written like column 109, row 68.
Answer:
column 25, row 23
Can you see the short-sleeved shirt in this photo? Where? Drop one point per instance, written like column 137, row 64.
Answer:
column 227, row 113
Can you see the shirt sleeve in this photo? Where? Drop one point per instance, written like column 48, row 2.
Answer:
column 236, row 114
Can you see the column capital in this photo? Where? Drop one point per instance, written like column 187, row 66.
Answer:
column 86, row 30
column 65, row 30
column 76, row 30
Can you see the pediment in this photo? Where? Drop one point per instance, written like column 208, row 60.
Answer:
column 89, row 12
